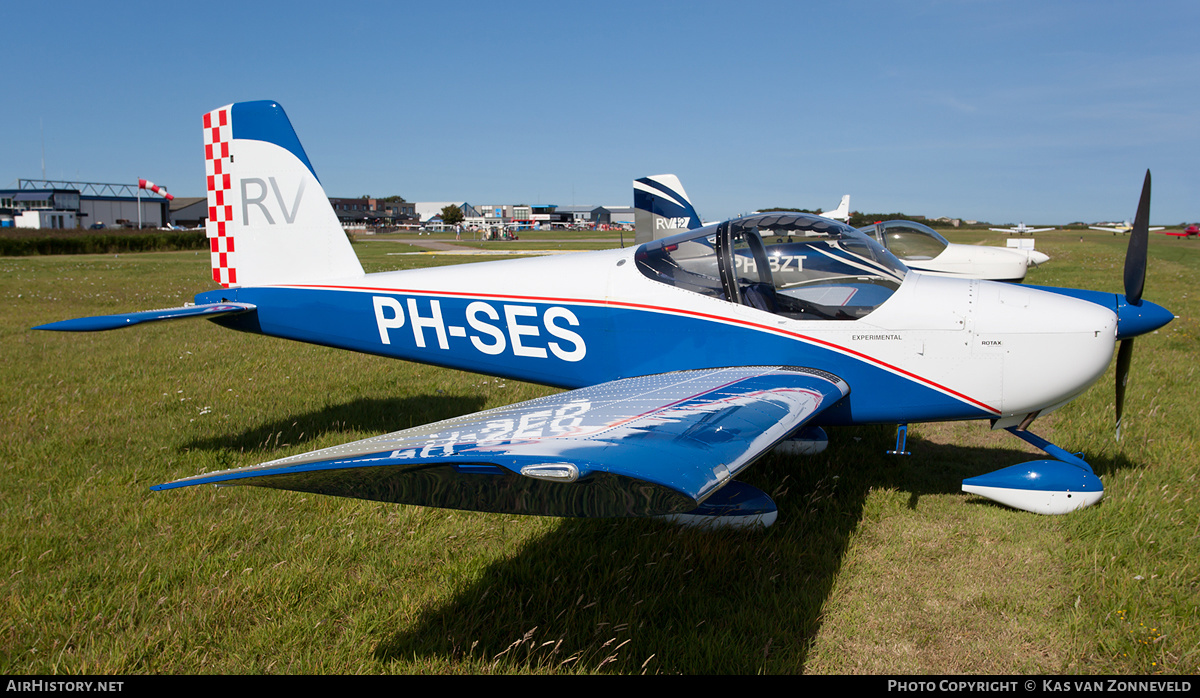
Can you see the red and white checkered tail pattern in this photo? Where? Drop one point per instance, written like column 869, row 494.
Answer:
column 147, row 184
column 218, row 133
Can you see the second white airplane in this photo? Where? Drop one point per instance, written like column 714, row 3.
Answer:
column 922, row 249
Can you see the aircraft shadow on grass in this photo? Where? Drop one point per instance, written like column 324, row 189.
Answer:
column 632, row 595
column 368, row 415
column 629, row 596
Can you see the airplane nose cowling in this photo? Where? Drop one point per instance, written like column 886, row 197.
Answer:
column 1135, row 320
column 1051, row 345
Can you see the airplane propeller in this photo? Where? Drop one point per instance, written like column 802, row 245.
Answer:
column 1135, row 283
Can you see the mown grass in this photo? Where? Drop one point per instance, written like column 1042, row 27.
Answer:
column 878, row 564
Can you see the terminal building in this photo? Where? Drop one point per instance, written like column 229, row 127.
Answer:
column 593, row 216
column 367, row 212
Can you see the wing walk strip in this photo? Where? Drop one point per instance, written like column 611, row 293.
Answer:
column 635, row 447
column 671, row 311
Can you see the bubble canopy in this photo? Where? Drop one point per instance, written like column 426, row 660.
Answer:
column 797, row 265
column 907, row 239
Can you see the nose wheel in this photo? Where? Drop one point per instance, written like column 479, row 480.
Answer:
column 1051, row 486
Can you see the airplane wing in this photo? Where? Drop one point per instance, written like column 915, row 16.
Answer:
column 641, row 446
column 1118, row 230
column 112, row 322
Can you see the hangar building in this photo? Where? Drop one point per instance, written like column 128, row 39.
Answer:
column 81, row 204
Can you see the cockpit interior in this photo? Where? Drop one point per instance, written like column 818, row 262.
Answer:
column 792, row 264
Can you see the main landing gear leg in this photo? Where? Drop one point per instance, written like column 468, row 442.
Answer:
column 901, row 441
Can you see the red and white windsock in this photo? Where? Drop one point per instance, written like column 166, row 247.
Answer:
column 147, row 184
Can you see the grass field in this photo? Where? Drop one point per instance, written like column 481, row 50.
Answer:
column 878, row 564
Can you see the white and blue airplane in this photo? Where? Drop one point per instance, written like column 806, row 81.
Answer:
column 734, row 357
column 661, row 207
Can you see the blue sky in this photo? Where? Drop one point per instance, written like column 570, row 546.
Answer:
column 1042, row 112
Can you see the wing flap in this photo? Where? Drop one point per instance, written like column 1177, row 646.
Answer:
column 112, row 322
column 631, row 447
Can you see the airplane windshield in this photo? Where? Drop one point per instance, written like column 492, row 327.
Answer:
column 797, row 265
column 907, row 240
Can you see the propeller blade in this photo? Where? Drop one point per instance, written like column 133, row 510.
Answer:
column 1139, row 241
column 1124, row 357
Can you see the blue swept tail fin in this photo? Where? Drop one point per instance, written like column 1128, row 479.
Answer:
column 661, row 207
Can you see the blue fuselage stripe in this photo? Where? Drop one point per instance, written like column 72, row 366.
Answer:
column 570, row 343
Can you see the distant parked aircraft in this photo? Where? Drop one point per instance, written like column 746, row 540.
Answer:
column 1121, row 228
column 1192, row 230
column 1020, row 230
column 842, row 212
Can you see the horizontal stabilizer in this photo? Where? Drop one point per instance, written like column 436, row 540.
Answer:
column 113, row 322
column 632, row 447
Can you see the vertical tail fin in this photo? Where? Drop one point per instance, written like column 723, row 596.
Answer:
column 269, row 220
column 842, row 212
column 661, row 207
